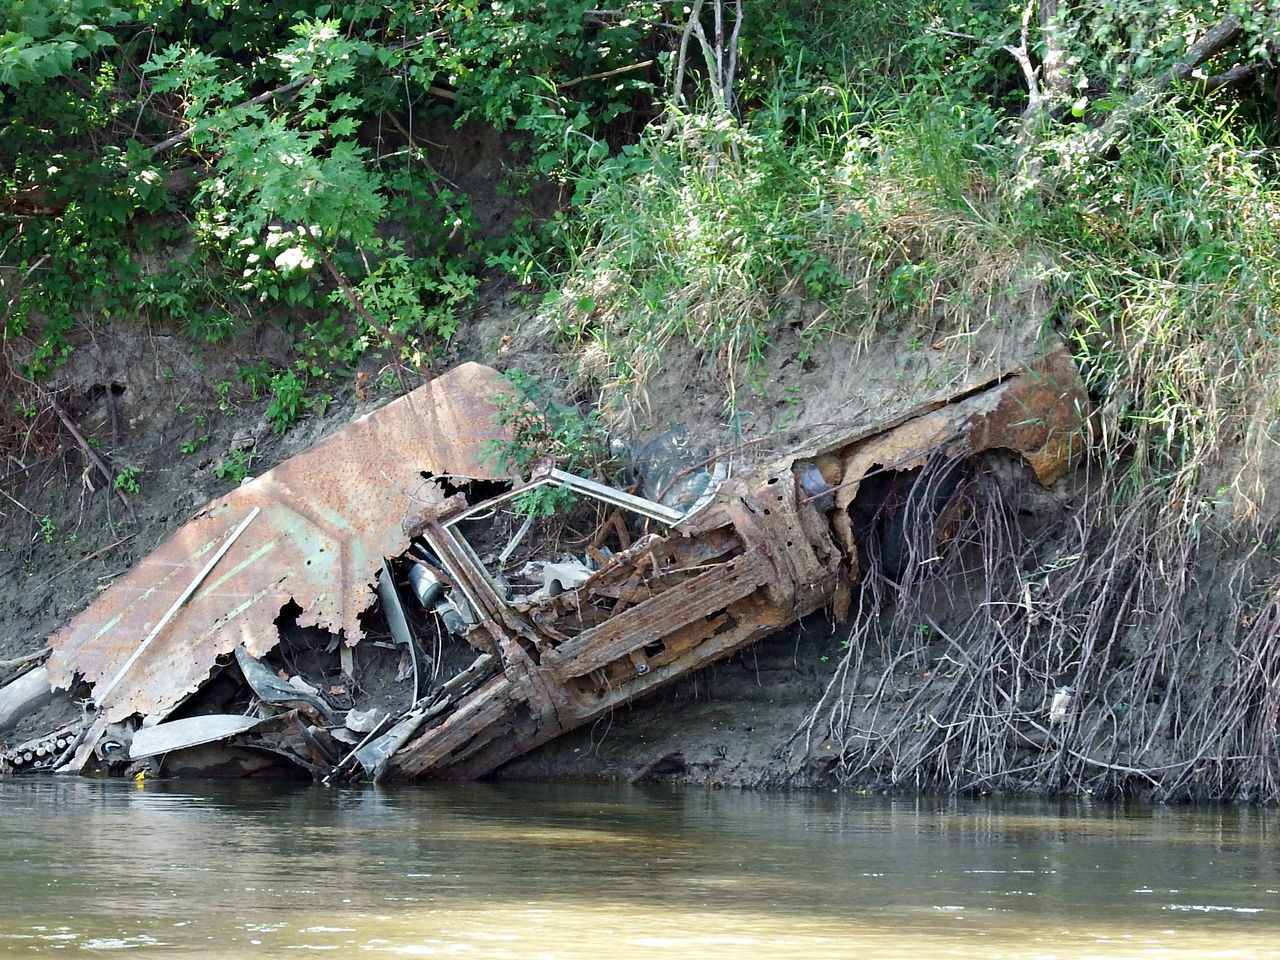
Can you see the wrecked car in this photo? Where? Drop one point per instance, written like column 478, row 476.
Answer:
column 388, row 605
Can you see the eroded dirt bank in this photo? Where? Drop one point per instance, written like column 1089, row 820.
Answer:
column 1015, row 638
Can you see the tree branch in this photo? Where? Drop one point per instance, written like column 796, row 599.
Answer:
column 717, row 94
column 94, row 457
column 173, row 141
column 1096, row 141
column 1029, row 163
column 1220, row 36
column 1022, row 54
column 607, row 73
column 1241, row 71
column 732, row 71
column 1217, row 39
column 677, row 90
column 357, row 304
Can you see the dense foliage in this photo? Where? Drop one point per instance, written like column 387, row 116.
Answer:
column 280, row 147
column 723, row 159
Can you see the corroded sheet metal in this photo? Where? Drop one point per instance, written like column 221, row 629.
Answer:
column 1040, row 415
column 1037, row 413
column 329, row 516
column 188, row 732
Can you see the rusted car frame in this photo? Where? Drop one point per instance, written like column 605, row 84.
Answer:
column 630, row 595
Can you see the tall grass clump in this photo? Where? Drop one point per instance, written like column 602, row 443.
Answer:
column 696, row 238
column 708, row 234
column 1148, row 610
column 1172, row 293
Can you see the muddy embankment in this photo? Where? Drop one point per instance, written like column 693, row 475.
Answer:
column 723, row 582
column 956, row 600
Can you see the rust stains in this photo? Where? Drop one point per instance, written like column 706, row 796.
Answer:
column 1037, row 413
column 1040, row 415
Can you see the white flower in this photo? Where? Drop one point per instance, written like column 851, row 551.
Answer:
column 294, row 258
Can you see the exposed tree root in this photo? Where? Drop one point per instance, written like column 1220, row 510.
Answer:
column 1161, row 637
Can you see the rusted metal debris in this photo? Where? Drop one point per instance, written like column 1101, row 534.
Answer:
column 504, row 631
column 330, row 515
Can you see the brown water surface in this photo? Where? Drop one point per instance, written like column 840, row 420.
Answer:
column 533, row 871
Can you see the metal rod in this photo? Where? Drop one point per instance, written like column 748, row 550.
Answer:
column 177, row 604
column 377, row 727
column 510, row 548
column 610, row 495
column 648, row 508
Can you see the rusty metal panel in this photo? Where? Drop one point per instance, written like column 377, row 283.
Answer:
column 1040, row 415
column 329, row 516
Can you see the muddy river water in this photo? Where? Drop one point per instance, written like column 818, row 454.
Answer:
column 532, row 871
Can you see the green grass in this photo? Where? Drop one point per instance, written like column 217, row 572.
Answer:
column 705, row 240
column 1159, row 260
column 1170, row 293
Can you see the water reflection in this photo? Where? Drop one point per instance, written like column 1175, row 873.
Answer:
column 232, row 869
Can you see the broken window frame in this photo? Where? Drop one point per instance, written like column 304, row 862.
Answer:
column 604, row 493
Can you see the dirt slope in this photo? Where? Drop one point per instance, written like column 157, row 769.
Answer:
column 177, row 413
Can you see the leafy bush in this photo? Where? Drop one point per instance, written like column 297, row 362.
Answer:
column 543, row 429
column 264, row 113
column 288, row 400
column 127, row 480
column 235, row 466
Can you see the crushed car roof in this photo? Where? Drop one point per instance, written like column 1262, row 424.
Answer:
column 328, row 517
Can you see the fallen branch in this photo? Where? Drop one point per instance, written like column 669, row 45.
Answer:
column 1238, row 73
column 1218, row 38
column 25, row 659
column 442, row 93
column 1215, row 40
column 645, row 64
column 91, row 556
column 17, row 503
column 97, row 459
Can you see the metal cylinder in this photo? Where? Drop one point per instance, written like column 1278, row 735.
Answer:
column 453, row 621
column 426, row 585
